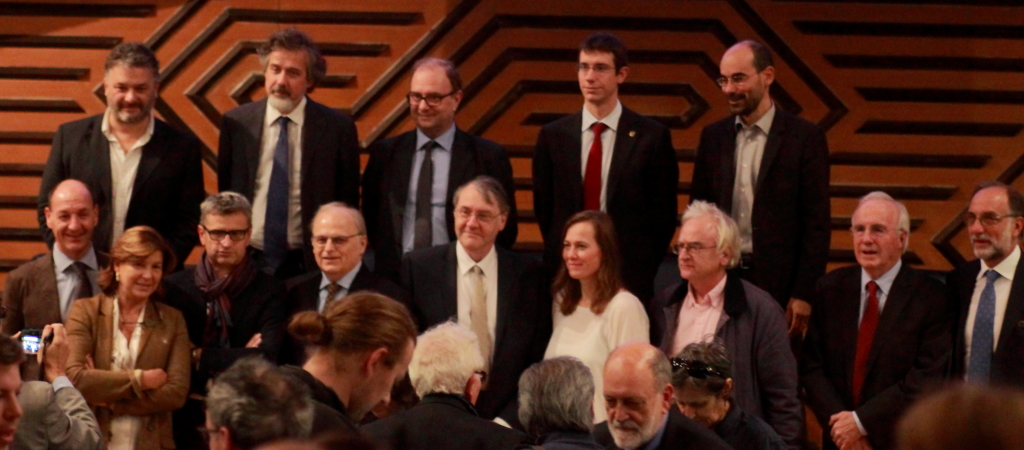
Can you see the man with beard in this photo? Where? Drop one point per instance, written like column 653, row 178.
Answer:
column 769, row 170
column 232, row 309
column 988, row 293
column 288, row 154
column 140, row 170
column 640, row 400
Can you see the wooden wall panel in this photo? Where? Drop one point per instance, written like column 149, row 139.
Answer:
column 920, row 98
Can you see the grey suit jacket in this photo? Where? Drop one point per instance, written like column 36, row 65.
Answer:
column 60, row 420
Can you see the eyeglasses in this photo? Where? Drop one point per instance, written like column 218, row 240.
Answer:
column 599, row 68
column 338, row 241
column 432, row 99
column 483, row 375
column 689, row 247
column 218, row 235
column 987, row 219
column 481, row 216
column 695, row 369
column 738, row 79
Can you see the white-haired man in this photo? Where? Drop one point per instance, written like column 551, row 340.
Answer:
column 446, row 371
column 711, row 301
column 879, row 334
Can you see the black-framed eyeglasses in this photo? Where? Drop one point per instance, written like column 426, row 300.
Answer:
column 695, row 369
column 988, row 219
column 338, row 241
column 483, row 375
column 218, row 235
column 431, row 99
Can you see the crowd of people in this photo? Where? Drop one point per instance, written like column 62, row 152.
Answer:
column 410, row 323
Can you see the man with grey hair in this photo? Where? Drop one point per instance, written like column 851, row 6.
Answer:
column 253, row 403
column 556, row 399
column 713, row 301
column 139, row 169
column 410, row 177
column 288, row 154
column 232, row 309
column 880, row 334
column 499, row 294
column 447, row 372
column 639, row 397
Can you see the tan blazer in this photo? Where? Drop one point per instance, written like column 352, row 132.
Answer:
column 164, row 345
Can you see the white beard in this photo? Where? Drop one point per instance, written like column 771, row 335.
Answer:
column 282, row 105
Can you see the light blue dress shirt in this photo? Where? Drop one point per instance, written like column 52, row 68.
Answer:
column 438, row 199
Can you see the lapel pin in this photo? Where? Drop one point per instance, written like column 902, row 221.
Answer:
column 632, row 133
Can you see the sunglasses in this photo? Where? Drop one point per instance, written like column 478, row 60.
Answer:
column 695, row 369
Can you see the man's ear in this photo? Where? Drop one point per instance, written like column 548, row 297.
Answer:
column 473, row 386
column 727, row 390
column 378, row 356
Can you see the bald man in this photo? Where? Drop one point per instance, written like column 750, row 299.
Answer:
column 41, row 291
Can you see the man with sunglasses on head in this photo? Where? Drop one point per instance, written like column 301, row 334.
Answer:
column 410, row 177
column 702, row 377
column 769, row 170
column 988, row 293
column 713, row 301
column 232, row 309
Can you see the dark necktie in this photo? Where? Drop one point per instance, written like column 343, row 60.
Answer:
column 592, row 179
column 423, row 232
column 275, row 224
column 865, row 337
column 980, row 364
column 83, row 287
column 332, row 293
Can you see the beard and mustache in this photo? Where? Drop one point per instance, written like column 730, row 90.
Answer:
column 281, row 99
column 141, row 113
column 629, row 434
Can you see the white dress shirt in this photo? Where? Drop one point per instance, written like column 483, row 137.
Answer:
column 750, row 142
column 271, row 131
column 607, row 145
column 124, row 165
column 345, row 282
column 1006, row 269
column 489, row 265
column 66, row 279
column 442, row 160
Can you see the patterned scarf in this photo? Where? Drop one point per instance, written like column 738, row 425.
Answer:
column 218, row 293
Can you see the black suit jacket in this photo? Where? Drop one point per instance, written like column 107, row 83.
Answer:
column 1008, row 359
column 330, row 159
column 443, row 421
column 910, row 350
column 641, row 192
column 304, row 295
column 791, row 217
column 167, row 190
column 523, row 325
column 681, row 433
column 386, row 190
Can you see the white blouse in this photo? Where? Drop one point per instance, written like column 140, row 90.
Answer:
column 124, row 428
column 592, row 337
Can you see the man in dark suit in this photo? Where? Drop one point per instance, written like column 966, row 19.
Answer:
column 288, row 154
column 231, row 308
column 500, row 295
column 41, row 291
column 639, row 394
column 769, row 170
column 140, row 170
column 880, row 334
column 447, row 372
column 339, row 240
column 407, row 207
column 989, row 298
column 629, row 171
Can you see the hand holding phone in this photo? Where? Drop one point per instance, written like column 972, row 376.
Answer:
column 30, row 340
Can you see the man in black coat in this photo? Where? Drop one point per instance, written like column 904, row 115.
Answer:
column 501, row 295
column 880, row 334
column 769, row 170
column 447, row 372
column 288, row 171
column 139, row 169
column 402, row 217
column 633, row 175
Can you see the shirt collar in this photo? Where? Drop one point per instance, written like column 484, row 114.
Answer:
column 488, row 264
column 764, row 123
column 612, row 120
column 715, row 294
column 445, row 140
column 884, row 282
column 62, row 261
column 298, row 115
column 1006, row 267
column 143, row 140
column 345, row 281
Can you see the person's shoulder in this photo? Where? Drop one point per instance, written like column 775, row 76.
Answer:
column 315, row 108
column 33, row 268
column 299, row 280
column 641, row 121
column 564, row 123
column 431, row 254
column 795, row 121
column 721, row 126
column 390, row 143
column 80, row 125
column 259, row 107
column 625, row 303
column 840, row 274
column 479, row 142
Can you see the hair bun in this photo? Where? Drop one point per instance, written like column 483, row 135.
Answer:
column 311, row 328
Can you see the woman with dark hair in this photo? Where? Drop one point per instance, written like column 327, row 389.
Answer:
column 359, row 348
column 129, row 354
column 593, row 314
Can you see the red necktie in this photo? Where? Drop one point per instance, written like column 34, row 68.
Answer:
column 865, row 337
column 592, row 179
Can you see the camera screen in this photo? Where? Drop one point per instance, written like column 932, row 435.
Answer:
column 30, row 344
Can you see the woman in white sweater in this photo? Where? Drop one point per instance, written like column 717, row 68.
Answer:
column 593, row 314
